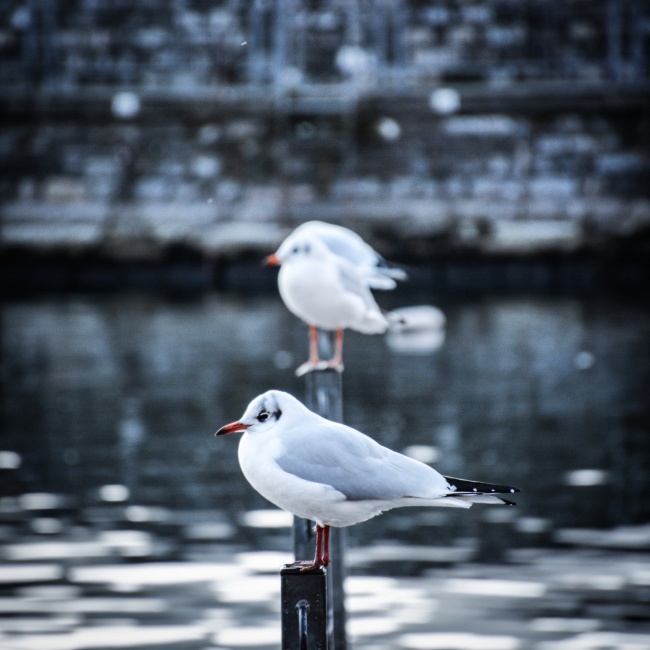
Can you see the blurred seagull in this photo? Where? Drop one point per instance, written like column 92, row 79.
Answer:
column 325, row 291
column 335, row 475
column 325, row 279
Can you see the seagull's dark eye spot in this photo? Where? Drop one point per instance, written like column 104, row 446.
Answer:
column 295, row 249
column 263, row 416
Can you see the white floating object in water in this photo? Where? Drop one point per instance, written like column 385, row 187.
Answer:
column 28, row 573
column 156, row 573
column 457, row 641
column 377, row 625
column 262, row 562
column 423, row 453
column 10, row 460
column 559, row 625
column 586, row 477
column 495, row 588
column 114, row 493
column 533, row 525
column 41, row 501
column 267, row 519
column 146, row 513
column 416, row 330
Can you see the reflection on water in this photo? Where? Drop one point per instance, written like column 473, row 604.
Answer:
column 548, row 394
column 107, row 453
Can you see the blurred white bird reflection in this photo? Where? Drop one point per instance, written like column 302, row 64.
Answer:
column 416, row 330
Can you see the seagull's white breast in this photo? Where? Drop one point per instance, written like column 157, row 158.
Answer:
column 302, row 498
column 312, row 290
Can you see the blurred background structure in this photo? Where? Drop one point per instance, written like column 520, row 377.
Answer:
column 154, row 130
column 152, row 152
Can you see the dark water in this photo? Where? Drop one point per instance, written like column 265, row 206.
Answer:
column 128, row 390
column 125, row 524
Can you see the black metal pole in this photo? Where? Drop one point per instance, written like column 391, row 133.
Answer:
column 324, row 395
column 304, row 609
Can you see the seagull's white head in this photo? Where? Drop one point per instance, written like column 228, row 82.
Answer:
column 265, row 412
column 300, row 246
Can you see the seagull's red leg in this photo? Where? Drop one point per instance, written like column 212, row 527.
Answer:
column 318, row 557
column 321, row 554
column 313, row 345
column 314, row 360
column 325, row 553
column 322, row 557
column 336, row 362
column 322, row 551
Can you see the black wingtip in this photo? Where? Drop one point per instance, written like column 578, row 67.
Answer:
column 462, row 485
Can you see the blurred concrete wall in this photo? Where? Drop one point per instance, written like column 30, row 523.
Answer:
column 494, row 127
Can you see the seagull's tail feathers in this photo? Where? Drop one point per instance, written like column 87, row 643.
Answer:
column 396, row 273
column 384, row 277
column 477, row 492
column 380, row 281
column 375, row 322
column 391, row 271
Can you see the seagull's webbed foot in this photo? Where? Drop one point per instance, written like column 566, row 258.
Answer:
column 310, row 366
column 304, row 565
column 334, row 365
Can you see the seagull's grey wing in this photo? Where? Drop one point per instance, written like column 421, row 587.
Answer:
column 374, row 268
column 355, row 284
column 353, row 249
column 341, row 241
column 356, row 466
column 348, row 245
column 393, row 271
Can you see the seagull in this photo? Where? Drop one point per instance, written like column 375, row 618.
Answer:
column 335, row 475
column 326, row 291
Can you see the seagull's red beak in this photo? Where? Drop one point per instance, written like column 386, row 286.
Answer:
column 233, row 427
column 272, row 260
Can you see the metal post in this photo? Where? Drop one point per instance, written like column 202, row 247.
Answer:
column 324, row 390
column 304, row 604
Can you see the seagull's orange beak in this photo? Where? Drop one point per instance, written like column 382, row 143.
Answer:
column 272, row 260
column 233, row 427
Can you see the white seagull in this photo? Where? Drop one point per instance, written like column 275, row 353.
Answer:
column 327, row 291
column 335, row 475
